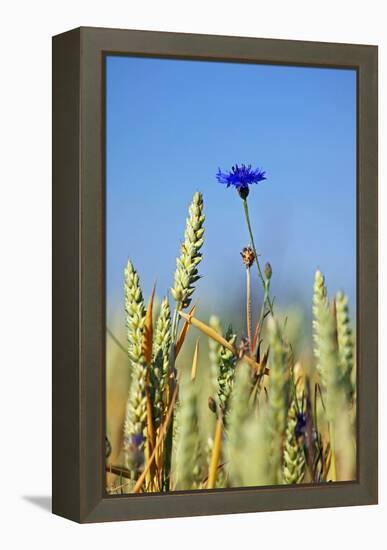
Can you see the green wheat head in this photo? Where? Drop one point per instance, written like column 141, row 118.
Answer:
column 186, row 274
column 329, row 361
column 227, row 364
column 294, row 456
column 160, row 362
column 345, row 344
column 135, row 419
column 320, row 303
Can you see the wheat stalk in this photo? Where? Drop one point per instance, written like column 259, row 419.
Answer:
column 188, row 471
column 238, row 415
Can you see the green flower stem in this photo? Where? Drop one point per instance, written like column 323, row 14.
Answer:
column 261, row 316
column 248, row 306
column 266, row 297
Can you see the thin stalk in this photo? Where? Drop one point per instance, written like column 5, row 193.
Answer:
column 116, row 341
column 248, row 306
column 247, row 216
column 195, row 359
column 215, row 455
column 150, row 439
column 257, row 335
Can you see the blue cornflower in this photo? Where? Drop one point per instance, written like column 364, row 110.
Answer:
column 241, row 177
column 300, row 429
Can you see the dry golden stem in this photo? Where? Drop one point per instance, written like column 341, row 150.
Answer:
column 195, row 361
column 215, row 455
column 148, row 329
column 183, row 332
column 150, row 439
column 211, row 333
column 159, row 441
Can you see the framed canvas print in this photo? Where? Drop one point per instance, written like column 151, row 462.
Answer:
column 215, row 274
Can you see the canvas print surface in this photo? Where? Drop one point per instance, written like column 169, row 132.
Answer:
column 230, row 275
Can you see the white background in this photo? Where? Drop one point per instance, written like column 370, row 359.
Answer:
column 25, row 268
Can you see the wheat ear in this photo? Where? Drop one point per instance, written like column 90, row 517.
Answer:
column 294, row 456
column 136, row 410
column 186, row 274
column 334, row 393
column 320, row 303
column 345, row 344
column 160, row 363
column 227, row 363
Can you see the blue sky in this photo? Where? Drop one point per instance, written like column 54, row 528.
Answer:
column 172, row 123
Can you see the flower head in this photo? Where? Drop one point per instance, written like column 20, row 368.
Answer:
column 241, row 177
column 248, row 256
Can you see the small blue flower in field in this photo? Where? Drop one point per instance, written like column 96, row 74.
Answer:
column 300, row 429
column 137, row 440
column 241, row 177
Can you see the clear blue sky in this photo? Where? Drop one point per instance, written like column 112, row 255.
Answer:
column 172, row 123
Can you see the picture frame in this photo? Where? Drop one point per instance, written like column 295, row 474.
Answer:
column 78, row 418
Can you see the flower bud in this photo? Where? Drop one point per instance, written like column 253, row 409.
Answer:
column 212, row 404
column 268, row 271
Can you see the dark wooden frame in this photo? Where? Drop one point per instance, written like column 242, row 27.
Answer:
column 78, row 274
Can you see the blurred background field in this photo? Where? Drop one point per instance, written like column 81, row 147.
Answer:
column 117, row 369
